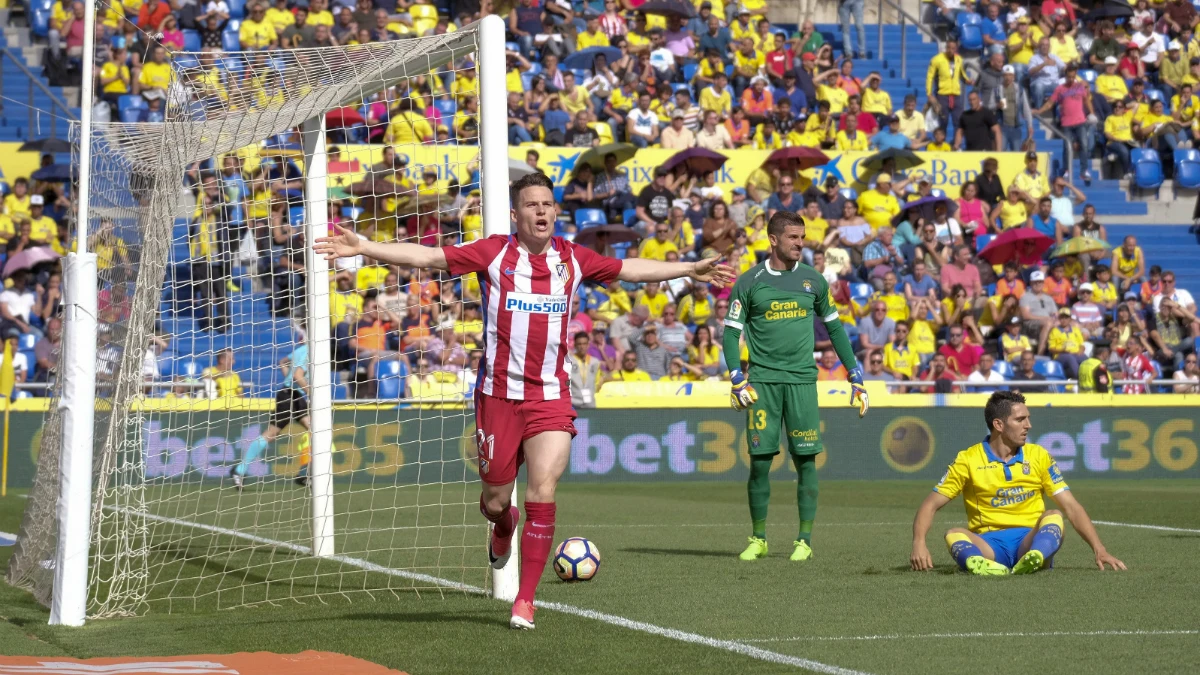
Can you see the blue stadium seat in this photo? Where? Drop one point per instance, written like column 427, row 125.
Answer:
column 860, row 292
column 191, row 40
column 629, row 216
column 447, row 108
column 850, row 193
column 131, row 102
column 512, row 46
column 1147, row 168
column 558, row 194
column 5, row 190
column 590, row 217
column 1187, row 168
column 187, row 368
column 991, row 290
column 970, row 37
column 1088, row 75
column 1156, row 95
column 1004, row 368
column 681, row 86
column 237, row 9
column 1051, row 370
column 937, row 192
column 391, row 379
column 230, row 41
column 26, row 341
column 983, row 240
column 39, row 21
column 340, row 392
column 689, row 71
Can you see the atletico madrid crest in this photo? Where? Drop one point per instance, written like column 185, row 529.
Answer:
column 560, row 270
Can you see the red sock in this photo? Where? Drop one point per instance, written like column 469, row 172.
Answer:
column 537, row 539
column 505, row 523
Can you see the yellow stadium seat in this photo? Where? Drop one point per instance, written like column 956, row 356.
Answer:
column 423, row 12
column 421, row 26
column 603, row 131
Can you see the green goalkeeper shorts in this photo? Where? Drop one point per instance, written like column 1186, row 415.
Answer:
column 792, row 407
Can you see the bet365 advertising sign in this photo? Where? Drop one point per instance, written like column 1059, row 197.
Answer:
column 437, row 446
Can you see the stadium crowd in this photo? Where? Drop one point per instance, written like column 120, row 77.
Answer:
column 921, row 304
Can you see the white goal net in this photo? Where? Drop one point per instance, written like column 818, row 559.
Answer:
column 204, row 199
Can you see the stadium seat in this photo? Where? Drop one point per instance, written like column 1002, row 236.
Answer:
column 391, row 376
column 681, row 86
column 237, row 9
column 39, row 21
column 5, row 190
column 590, row 217
column 1187, row 168
column 1004, row 368
column 446, row 107
column 629, row 216
column 187, row 368
column 558, row 193
column 689, row 71
column 603, row 130
column 26, row 341
column 230, row 41
column 850, row 193
column 970, row 31
column 1049, row 369
column 991, row 290
column 983, row 240
column 512, row 46
column 860, row 292
column 191, row 40
column 131, row 102
column 340, row 391
column 1156, row 95
column 1088, row 75
column 1147, row 168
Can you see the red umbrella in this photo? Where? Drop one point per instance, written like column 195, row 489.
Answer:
column 698, row 161
column 1023, row 244
column 343, row 117
column 799, row 158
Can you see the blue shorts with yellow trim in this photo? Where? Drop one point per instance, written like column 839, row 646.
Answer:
column 1006, row 543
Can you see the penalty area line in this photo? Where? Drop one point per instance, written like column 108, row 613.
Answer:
column 734, row 646
column 930, row 636
column 1160, row 528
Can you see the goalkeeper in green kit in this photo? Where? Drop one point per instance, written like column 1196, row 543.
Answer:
column 774, row 305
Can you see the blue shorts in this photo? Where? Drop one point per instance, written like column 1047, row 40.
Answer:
column 1006, row 543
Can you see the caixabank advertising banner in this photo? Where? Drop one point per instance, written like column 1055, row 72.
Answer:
column 418, row 446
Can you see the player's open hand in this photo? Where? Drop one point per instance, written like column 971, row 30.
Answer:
column 345, row 244
column 1105, row 558
column 713, row 271
column 858, row 392
column 920, row 560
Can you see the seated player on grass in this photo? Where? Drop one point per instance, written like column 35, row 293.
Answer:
column 1002, row 481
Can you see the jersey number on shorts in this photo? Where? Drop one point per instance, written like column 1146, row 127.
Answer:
column 486, row 444
column 758, row 418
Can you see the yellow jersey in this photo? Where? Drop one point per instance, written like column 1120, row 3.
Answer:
column 900, row 359
column 815, row 230
column 749, row 62
column 1034, row 185
column 1126, row 265
column 256, row 34
column 8, row 229
column 947, row 75
column 857, row 144
column 1111, row 87
column 655, row 305
column 1013, row 215
column 939, row 147
column 462, row 87
column 775, row 142
column 825, row 129
column 585, row 39
column 282, row 18
column 156, row 75
column 1001, row 495
column 655, row 250
column 692, row 312
column 43, row 229
column 229, row 385
column 721, row 103
column 111, row 69
column 340, row 303
column 1105, row 293
column 1020, row 49
column 837, row 98
column 638, row 375
column 897, row 304
column 922, row 338
column 878, row 209
column 16, row 206
column 407, row 128
column 1068, row 341
column 1119, row 127
column 876, row 102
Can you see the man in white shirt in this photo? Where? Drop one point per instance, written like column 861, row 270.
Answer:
column 16, row 304
column 642, row 123
column 983, row 373
column 1179, row 304
column 1153, row 45
column 1088, row 314
column 676, row 136
column 713, row 136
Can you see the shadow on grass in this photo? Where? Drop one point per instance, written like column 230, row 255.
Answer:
column 697, row 553
column 494, row 617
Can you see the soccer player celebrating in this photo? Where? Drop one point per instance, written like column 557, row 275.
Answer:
column 775, row 304
column 1002, row 481
column 523, row 407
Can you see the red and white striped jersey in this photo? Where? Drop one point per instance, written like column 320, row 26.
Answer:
column 526, row 306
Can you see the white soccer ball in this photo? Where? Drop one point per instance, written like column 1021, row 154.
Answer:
column 576, row 559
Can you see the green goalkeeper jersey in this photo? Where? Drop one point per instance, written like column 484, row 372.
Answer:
column 776, row 311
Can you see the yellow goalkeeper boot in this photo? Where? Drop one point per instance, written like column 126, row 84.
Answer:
column 981, row 566
column 1029, row 563
column 802, row 551
column 757, row 549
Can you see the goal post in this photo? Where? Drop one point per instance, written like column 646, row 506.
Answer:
column 200, row 220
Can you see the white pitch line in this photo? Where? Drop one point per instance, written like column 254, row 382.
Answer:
column 611, row 619
column 1161, row 528
column 927, row 636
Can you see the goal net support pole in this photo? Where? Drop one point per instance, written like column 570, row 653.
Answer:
column 493, row 186
column 316, row 290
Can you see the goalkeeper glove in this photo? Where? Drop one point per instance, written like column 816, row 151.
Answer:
column 858, row 393
column 743, row 395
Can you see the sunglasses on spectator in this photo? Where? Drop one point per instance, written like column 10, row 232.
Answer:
column 876, row 361
column 956, row 334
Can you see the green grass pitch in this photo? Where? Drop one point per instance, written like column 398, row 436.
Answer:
column 854, row 607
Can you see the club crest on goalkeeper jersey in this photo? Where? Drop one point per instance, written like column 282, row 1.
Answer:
column 527, row 305
column 999, row 495
column 775, row 312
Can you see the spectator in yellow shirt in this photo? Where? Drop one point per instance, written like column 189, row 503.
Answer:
column 629, row 371
column 875, row 100
column 574, row 97
column 220, row 381
column 466, row 84
column 1065, row 344
column 766, row 137
column 1031, row 182
column 593, row 36
column 943, row 82
column 851, row 139
column 156, row 74
column 657, row 248
column 256, row 32
column 748, row 63
column 407, row 126
column 279, row 16
column 1129, row 263
column 1111, row 87
column 878, row 206
column 42, row 228
column 939, row 144
column 653, row 299
column 697, row 306
column 898, row 360
column 1118, row 134
column 16, row 205
column 717, row 97
column 1022, row 44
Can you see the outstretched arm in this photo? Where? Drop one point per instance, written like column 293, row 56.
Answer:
column 1083, row 525
column 709, row 270
column 347, row 244
column 920, row 558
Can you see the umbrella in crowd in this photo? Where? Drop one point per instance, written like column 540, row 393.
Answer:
column 29, row 258
column 45, row 145
column 905, row 160
column 518, row 169
column 595, row 156
column 682, row 8
column 1079, row 246
column 698, row 161
column 1023, row 244
column 1109, row 9
column 925, row 205
column 613, row 234
column 343, row 117
column 584, row 58
column 55, row 173
column 797, row 158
